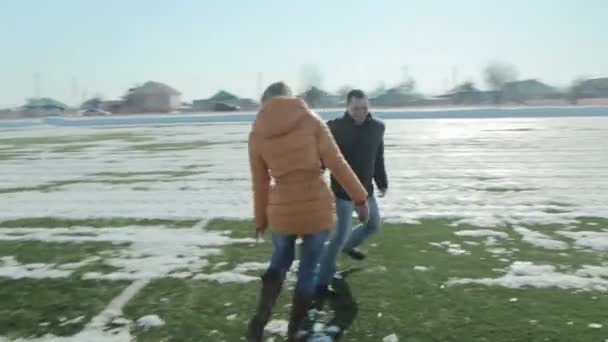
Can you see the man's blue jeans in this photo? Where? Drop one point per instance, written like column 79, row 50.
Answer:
column 283, row 254
column 343, row 239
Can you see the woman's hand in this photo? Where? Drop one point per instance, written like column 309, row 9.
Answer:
column 259, row 232
column 362, row 210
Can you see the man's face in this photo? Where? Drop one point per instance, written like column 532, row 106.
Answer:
column 358, row 109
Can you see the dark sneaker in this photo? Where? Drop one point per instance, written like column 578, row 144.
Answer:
column 356, row 254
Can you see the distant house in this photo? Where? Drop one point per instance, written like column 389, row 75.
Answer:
column 522, row 91
column 394, row 97
column 223, row 101
column 152, row 97
column 593, row 88
column 44, row 106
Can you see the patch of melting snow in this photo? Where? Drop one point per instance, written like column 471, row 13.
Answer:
column 391, row 338
column 79, row 264
column 588, row 239
column 421, row 268
column 231, row 317
column 450, row 247
column 150, row 321
column 482, row 233
column 277, row 327
column 226, row 277
column 12, row 269
column 595, row 325
column 499, row 251
column 521, row 274
column 75, row 320
column 150, row 252
column 539, row 239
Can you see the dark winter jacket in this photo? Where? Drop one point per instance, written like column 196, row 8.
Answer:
column 363, row 149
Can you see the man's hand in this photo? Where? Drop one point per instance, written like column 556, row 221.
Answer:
column 382, row 193
column 362, row 212
column 259, row 232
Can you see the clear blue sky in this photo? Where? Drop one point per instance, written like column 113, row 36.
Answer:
column 200, row 46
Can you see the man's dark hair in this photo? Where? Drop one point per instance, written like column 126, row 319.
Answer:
column 355, row 93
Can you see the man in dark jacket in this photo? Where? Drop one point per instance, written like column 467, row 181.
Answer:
column 361, row 141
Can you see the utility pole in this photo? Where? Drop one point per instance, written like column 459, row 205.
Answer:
column 260, row 83
column 37, row 84
column 454, row 77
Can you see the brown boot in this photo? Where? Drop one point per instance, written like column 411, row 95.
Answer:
column 272, row 283
column 299, row 309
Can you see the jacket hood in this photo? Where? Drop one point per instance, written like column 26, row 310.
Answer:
column 279, row 116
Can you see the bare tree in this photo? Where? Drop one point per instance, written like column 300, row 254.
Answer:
column 573, row 92
column 497, row 75
column 310, row 76
column 343, row 91
column 379, row 90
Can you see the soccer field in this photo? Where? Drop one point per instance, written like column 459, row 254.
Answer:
column 495, row 230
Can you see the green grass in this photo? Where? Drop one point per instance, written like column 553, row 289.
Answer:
column 414, row 305
column 29, row 252
column 35, row 307
column 57, row 222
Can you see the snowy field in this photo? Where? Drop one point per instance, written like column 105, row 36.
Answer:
column 111, row 227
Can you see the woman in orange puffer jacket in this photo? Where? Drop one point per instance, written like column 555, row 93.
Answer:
column 289, row 144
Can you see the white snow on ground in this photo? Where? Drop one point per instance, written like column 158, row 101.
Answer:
column 421, row 268
column 521, row 274
column 539, row 239
column 150, row 321
column 12, row 269
column 226, row 277
column 79, row 264
column 588, row 239
column 277, row 327
column 75, row 320
column 472, row 170
column 482, row 233
column 450, row 247
column 595, row 326
column 150, row 252
column 391, row 338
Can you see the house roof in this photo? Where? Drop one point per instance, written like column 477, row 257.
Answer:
column 601, row 82
column 44, row 102
column 529, row 82
column 223, row 95
column 156, row 87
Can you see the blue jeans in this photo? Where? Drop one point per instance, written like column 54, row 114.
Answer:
column 342, row 241
column 283, row 254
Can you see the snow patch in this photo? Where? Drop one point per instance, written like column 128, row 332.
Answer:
column 277, row 327
column 391, row 338
column 539, row 239
column 521, row 274
column 450, row 247
column 226, row 277
column 12, row 269
column 150, row 321
column 421, row 268
column 588, row 239
column 482, row 233
column 150, row 252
